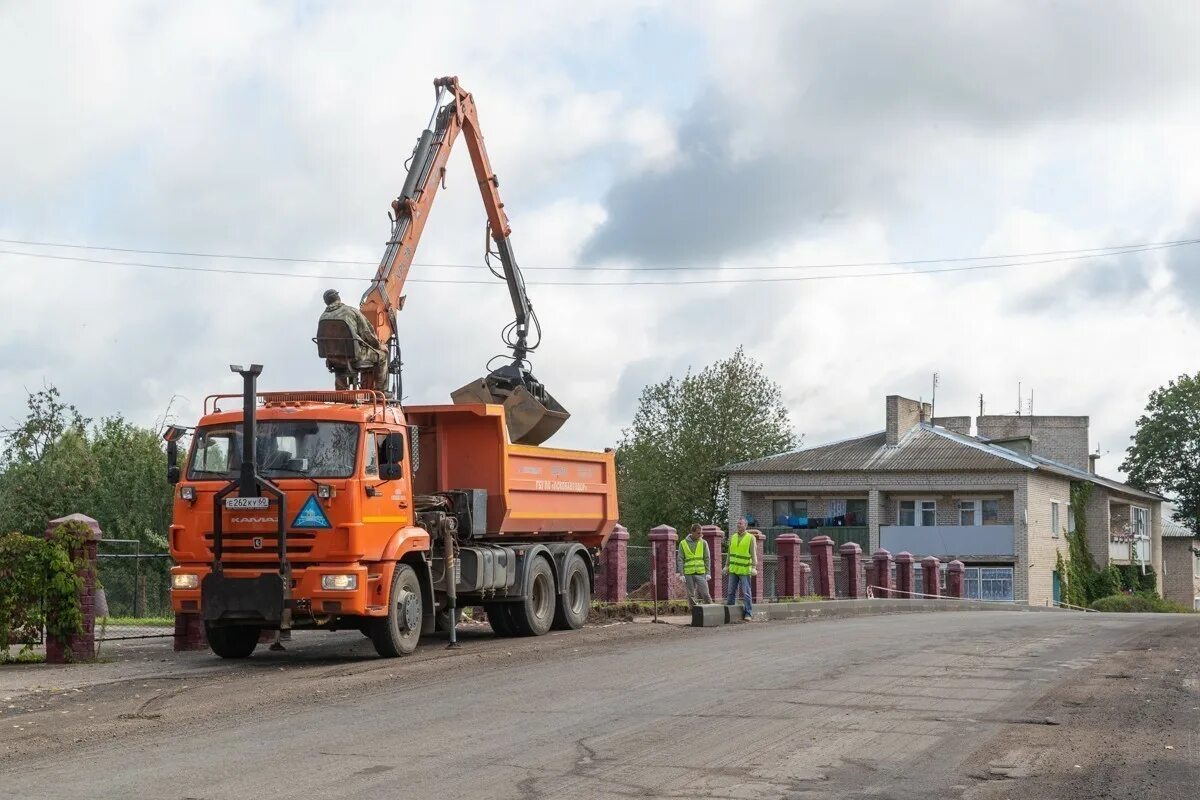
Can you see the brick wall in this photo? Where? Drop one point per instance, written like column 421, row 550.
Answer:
column 1062, row 439
column 1178, row 582
column 759, row 503
column 1034, row 581
column 957, row 424
column 1098, row 523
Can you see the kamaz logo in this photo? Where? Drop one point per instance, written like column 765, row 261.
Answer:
column 253, row 520
column 256, row 543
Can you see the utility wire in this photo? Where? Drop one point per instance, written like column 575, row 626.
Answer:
column 1109, row 249
column 702, row 282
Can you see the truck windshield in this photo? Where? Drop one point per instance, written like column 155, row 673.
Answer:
column 284, row 449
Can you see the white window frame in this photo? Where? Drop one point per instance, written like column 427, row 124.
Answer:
column 1070, row 518
column 1055, row 517
column 918, row 512
column 1140, row 538
column 976, row 509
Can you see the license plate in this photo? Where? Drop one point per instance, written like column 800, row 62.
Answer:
column 247, row 502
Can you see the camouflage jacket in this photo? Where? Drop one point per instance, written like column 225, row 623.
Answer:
column 359, row 326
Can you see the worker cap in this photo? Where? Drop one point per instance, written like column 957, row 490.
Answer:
column 331, row 295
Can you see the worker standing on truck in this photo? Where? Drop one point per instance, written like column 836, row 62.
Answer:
column 741, row 563
column 369, row 353
column 696, row 564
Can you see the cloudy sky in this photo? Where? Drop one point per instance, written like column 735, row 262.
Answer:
column 678, row 142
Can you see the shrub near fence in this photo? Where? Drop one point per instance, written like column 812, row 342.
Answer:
column 39, row 587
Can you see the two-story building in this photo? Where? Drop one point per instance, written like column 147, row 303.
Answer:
column 997, row 499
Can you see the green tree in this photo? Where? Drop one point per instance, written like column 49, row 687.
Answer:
column 55, row 463
column 685, row 429
column 1165, row 454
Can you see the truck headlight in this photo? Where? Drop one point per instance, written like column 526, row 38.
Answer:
column 188, row 493
column 344, row 583
column 185, row 580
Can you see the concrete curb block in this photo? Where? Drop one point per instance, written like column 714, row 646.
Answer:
column 836, row 609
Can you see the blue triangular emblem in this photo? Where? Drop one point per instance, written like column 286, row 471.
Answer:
column 311, row 515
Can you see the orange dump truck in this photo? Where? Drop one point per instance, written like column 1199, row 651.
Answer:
column 341, row 509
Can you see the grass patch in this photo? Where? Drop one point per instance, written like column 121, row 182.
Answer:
column 138, row 622
column 1139, row 603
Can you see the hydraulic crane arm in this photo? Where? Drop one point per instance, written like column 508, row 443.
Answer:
column 533, row 414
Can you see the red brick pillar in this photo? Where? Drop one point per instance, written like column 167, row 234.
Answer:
column 79, row 646
column 904, row 574
column 758, row 582
column 612, row 573
column 788, row 579
column 883, row 573
column 821, row 548
column 852, row 564
column 189, row 632
column 663, row 542
column 714, row 539
column 931, row 575
column 802, row 583
column 956, row 573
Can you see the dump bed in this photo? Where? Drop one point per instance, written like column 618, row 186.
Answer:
column 532, row 491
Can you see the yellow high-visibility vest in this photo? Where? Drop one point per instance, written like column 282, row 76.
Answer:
column 741, row 558
column 693, row 558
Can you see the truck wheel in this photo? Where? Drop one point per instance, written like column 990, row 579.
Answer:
column 534, row 615
column 499, row 618
column 397, row 634
column 576, row 597
column 235, row 641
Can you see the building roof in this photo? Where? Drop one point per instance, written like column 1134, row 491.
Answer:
column 1173, row 529
column 925, row 448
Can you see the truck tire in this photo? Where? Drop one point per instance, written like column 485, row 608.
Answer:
column 234, row 641
column 397, row 634
column 575, row 600
column 499, row 618
column 534, row 615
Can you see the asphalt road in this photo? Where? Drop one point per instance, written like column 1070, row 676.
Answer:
column 973, row 705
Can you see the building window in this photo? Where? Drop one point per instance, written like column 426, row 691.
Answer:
column 1196, row 564
column 988, row 583
column 1054, row 518
column 856, row 512
column 978, row 512
column 968, row 512
column 917, row 513
column 1070, row 518
column 989, row 512
column 792, row 513
column 1139, row 522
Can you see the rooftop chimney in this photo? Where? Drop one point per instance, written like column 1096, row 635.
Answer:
column 1061, row 439
column 902, row 416
column 954, row 424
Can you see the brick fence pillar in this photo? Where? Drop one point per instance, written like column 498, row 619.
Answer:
column 821, row 548
column 883, row 573
column 788, row 579
column 612, row 573
column 852, row 563
column 189, row 632
column 904, row 574
column 758, row 582
column 79, row 646
column 714, row 540
column 931, row 575
column 663, row 542
column 803, row 585
column 956, row 572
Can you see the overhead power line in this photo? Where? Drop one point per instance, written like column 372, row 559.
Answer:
column 701, row 282
column 1104, row 250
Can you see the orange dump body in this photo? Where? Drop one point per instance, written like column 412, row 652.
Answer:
column 533, row 494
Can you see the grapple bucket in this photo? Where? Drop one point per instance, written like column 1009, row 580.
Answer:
column 531, row 419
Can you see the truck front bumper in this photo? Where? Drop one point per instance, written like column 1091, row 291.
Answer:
column 255, row 596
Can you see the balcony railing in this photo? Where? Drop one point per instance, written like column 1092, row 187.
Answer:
column 859, row 534
column 942, row 540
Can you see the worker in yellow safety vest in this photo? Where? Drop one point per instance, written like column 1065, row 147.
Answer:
column 740, row 564
column 696, row 565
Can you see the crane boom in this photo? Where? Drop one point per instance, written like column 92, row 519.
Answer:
column 533, row 414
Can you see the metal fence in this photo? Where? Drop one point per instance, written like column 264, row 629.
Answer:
column 638, row 573
column 136, row 599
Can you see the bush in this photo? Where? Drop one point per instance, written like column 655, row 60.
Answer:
column 1141, row 603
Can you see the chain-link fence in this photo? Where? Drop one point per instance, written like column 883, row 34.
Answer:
column 136, row 599
column 639, row 573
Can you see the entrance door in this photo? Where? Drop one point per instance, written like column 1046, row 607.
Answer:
column 1057, row 588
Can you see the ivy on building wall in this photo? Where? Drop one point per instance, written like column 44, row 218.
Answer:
column 1083, row 584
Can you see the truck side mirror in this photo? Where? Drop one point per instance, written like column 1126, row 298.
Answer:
column 391, row 456
column 172, row 436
